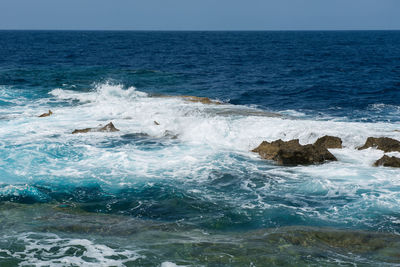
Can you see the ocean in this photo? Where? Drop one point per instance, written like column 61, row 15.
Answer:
column 178, row 185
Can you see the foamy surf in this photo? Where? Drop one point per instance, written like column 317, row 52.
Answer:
column 41, row 249
column 191, row 144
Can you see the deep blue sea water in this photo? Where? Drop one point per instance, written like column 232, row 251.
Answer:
column 178, row 184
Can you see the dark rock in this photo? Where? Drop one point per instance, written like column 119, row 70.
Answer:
column 270, row 150
column 156, row 123
column 292, row 153
column 329, row 142
column 387, row 161
column 86, row 130
column 108, row 128
column 46, row 114
column 383, row 143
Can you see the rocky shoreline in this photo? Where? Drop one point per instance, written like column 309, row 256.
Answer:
column 288, row 153
column 292, row 153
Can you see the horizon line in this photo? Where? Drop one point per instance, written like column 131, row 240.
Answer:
column 216, row 30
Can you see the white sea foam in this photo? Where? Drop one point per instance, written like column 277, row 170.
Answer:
column 45, row 249
column 169, row 264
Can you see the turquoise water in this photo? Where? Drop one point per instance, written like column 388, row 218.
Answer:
column 187, row 190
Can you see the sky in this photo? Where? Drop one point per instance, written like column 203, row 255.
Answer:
column 200, row 14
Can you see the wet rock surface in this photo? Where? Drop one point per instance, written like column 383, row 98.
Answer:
column 108, row 128
column 293, row 153
column 387, row 161
column 46, row 114
column 383, row 143
column 329, row 142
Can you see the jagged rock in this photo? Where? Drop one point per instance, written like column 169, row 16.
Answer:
column 269, row 150
column 383, row 143
column 108, row 128
column 292, row 153
column 329, row 142
column 46, row 114
column 387, row 161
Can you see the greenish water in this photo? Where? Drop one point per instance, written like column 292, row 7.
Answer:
column 51, row 234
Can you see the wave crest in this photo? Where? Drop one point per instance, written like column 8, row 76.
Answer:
column 101, row 92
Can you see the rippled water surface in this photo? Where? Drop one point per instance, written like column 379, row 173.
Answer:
column 178, row 184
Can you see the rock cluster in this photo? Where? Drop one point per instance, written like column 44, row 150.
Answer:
column 387, row 145
column 293, row 153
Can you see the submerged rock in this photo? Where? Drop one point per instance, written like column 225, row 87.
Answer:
column 387, row 161
column 329, row 142
column 203, row 100
column 170, row 134
column 292, row 153
column 108, row 128
column 46, row 114
column 199, row 99
column 354, row 241
column 383, row 143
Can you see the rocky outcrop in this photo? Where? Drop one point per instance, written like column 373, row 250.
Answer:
column 46, row 114
column 293, row 153
column 383, row 143
column 108, row 128
column 387, row 161
column 329, row 142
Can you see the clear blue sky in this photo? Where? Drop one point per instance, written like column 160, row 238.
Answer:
column 200, row 14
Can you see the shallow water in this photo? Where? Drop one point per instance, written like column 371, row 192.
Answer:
column 187, row 190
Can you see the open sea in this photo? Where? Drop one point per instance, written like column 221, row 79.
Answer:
column 178, row 185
